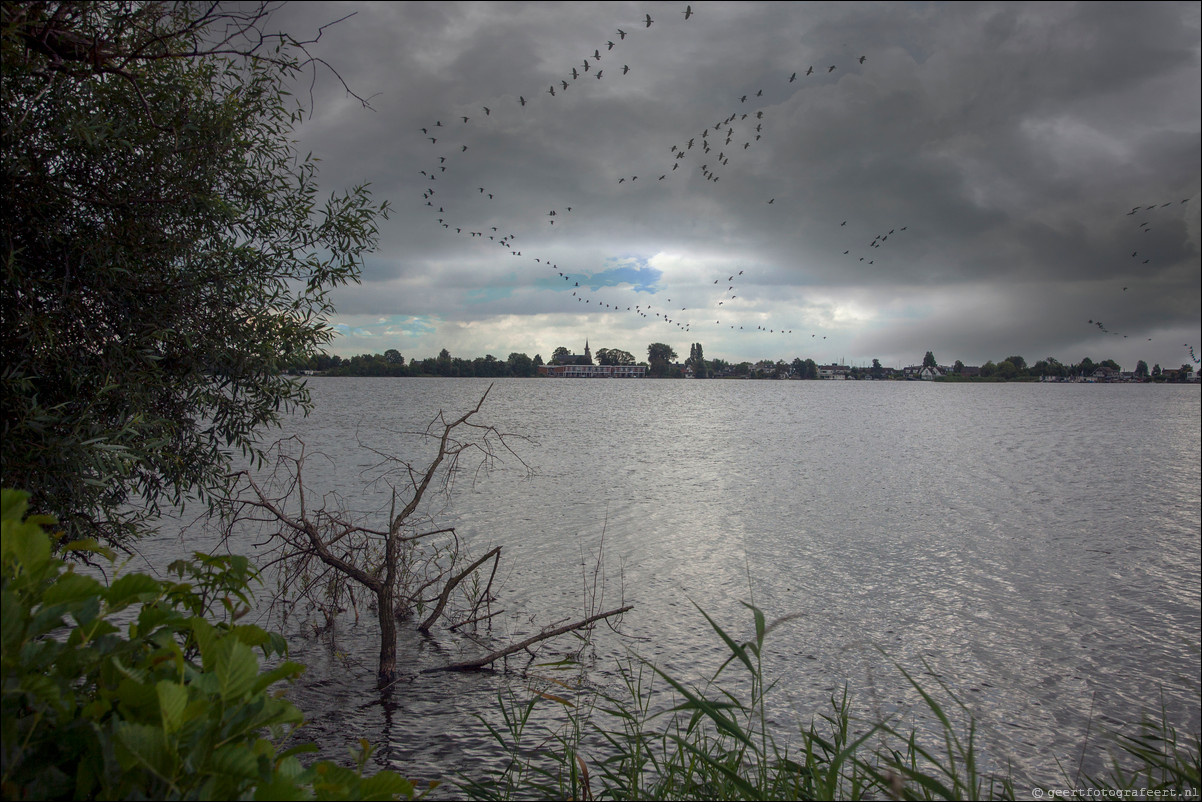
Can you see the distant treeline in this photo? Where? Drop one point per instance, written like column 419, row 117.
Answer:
column 392, row 363
column 1012, row 368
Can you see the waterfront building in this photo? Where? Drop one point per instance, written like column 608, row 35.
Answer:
column 580, row 366
column 594, row 371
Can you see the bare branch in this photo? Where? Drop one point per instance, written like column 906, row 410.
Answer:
column 321, row 550
column 309, row 530
column 71, row 41
column 495, row 554
column 475, row 665
column 476, row 620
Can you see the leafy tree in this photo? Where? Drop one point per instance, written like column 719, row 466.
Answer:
column 167, row 254
column 1086, row 367
column 1019, row 363
column 1185, row 372
column 320, row 361
column 1007, row 369
column 1141, row 369
column 809, row 369
column 1156, row 372
column 958, row 367
column 660, row 351
column 443, row 364
column 486, row 366
column 928, row 361
column 697, row 361
column 1048, row 367
column 659, row 356
column 521, row 365
column 988, row 369
column 393, row 357
column 614, row 356
column 561, row 356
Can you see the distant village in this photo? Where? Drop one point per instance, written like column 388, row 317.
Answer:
column 663, row 362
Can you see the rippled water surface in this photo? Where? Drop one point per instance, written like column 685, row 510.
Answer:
column 1035, row 548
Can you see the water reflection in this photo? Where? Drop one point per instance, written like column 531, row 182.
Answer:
column 1034, row 549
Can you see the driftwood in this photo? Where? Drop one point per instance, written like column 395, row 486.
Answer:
column 479, row 663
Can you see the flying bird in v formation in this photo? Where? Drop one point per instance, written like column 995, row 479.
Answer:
column 1143, row 254
column 727, row 132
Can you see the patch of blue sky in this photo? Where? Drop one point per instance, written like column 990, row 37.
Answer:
column 389, row 325
column 350, row 331
column 629, row 272
column 411, row 325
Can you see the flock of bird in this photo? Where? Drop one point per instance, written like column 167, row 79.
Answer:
column 707, row 152
column 1143, row 254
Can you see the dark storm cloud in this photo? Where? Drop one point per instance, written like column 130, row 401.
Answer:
column 1003, row 145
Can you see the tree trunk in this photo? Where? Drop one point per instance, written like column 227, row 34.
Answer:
column 385, row 598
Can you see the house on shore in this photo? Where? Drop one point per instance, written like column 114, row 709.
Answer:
column 580, row 366
column 593, row 371
column 925, row 373
column 833, row 372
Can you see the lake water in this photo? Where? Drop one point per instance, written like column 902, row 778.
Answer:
column 1034, row 548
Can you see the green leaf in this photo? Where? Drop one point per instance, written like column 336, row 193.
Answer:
column 25, row 543
column 236, row 760
column 737, row 650
column 237, row 669
column 280, row 788
column 71, row 587
column 385, row 785
column 286, row 670
column 173, row 699
column 13, row 613
column 131, row 588
column 712, row 710
column 144, row 746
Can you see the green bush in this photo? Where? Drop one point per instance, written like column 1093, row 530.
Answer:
column 147, row 689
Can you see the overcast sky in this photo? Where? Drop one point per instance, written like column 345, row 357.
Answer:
column 841, row 181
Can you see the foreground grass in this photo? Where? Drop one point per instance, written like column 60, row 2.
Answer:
column 714, row 743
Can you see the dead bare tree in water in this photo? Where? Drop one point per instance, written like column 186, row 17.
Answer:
column 410, row 565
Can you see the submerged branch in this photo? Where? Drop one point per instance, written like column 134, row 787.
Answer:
column 476, row 665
